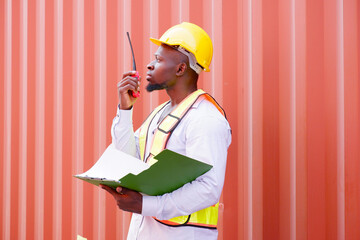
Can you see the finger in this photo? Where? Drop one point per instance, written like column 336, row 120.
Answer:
column 127, row 88
column 128, row 73
column 127, row 191
column 122, row 84
column 119, row 190
column 127, row 80
column 108, row 189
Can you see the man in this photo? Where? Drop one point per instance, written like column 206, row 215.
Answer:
column 191, row 123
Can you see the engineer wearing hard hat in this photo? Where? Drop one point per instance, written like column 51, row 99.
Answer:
column 190, row 123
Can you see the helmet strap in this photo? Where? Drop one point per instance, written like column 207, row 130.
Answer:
column 192, row 60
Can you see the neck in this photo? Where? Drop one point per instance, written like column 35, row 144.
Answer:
column 177, row 95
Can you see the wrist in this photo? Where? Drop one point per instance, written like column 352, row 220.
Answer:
column 124, row 108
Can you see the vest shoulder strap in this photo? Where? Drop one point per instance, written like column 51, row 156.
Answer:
column 170, row 122
column 143, row 132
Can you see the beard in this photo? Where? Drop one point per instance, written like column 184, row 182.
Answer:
column 152, row 87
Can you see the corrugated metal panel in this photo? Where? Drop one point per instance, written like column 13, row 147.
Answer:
column 286, row 72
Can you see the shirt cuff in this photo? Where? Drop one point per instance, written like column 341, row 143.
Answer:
column 125, row 116
column 149, row 206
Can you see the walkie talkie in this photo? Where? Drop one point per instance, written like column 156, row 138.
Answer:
column 137, row 93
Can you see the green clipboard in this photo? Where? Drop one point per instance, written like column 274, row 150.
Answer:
column 171, row 171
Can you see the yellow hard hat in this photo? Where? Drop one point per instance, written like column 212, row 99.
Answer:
column 190, row 38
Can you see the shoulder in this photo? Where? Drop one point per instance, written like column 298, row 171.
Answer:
column 205, row 124
column 204, row 112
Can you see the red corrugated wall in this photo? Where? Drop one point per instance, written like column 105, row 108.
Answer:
column 286, row 72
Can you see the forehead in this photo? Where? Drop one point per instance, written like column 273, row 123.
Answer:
column 167, row 51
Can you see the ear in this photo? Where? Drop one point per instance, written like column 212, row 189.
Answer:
column 181, row 69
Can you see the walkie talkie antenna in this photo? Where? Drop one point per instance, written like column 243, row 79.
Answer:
column 132, row 52
column 136, row 75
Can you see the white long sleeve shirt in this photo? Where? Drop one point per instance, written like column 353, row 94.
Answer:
column 203, row 134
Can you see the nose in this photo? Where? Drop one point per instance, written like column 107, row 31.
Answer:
column 150, row 66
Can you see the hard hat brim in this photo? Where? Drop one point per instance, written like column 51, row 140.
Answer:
column 156, row 41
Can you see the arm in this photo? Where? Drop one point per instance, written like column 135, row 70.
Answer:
column 124, row 139
column 122, row 132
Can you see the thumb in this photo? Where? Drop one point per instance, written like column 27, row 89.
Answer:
column 119, row 189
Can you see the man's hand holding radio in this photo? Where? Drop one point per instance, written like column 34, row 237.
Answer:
column 128, row 85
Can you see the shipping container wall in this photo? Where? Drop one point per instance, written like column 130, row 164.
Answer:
column 286, row 72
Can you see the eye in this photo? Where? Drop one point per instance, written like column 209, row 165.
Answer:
column 157, row 58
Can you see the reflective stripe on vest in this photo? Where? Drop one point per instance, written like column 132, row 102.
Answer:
column 145, row 128
column 207, row 217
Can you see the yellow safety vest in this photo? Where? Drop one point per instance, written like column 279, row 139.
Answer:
column 207, row 217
